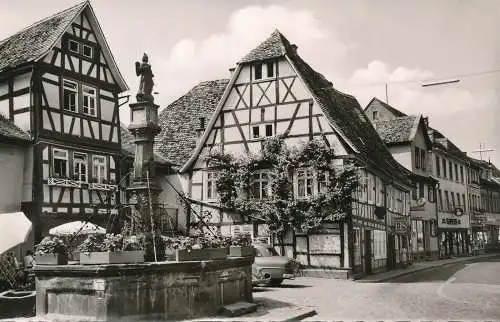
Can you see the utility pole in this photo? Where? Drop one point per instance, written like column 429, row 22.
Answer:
column 482, row 149
column 386, row 96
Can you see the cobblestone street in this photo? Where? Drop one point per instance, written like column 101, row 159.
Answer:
column 456, row 291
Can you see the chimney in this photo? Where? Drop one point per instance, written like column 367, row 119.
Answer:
column 231, row 71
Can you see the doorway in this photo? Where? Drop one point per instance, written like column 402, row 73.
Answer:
column 368, row 251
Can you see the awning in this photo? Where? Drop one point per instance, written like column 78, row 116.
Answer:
column 83, row 228
column 15, row 228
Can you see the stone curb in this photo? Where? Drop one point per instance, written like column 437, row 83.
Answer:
column 301, row 316
column 408, row 272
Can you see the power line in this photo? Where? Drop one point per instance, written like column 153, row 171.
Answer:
column 420, row 81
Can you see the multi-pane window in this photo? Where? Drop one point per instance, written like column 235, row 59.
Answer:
column 450, row 170
column 447, row 200
column 444, row 168
column 422, row 160
column 80, row 166
column 432, row 194
column 99, row 168
column 60, row 163
column 257, row 71
column 322, row 182
column 456, row 172
column 462, row 174
column 74, row 46
column 88, row 51
column 270, row 69
column 438, row 167
column 417, row 158
column 211, row 185
column 421, row 190
column 259, row 187
column 70, row 95
column 440, row 199
column 305, row 180
column 259, row 131
column 89, row 99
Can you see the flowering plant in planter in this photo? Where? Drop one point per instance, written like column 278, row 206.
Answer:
column 113, row 242
column 179, row 242
column 51, row 245
column 111, row 249
column 93, row 243
column 51, row 250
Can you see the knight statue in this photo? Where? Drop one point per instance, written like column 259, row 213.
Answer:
column 146, row 83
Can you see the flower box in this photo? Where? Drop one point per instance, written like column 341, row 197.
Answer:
column 241, row 251
column 182, row 255
column 51, row 259
column 116, row 257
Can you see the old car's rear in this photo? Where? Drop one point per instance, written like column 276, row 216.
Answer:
column 277, row 267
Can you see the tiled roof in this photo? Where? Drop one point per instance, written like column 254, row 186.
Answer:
column 9, row 130
column 376, row 102
column 346, row 115
column 180, row 120
column 273, row 47
column 31, row 43
column 398, row 130
column 128, row 145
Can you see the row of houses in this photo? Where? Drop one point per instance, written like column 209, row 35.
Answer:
column 66, row 156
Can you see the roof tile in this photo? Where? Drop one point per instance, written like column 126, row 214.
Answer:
column 8, row 129
column 398, row 130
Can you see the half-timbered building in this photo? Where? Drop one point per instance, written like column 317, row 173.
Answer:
column 60, row 83
column 272, row 91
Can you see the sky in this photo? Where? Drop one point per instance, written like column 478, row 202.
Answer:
column 359, row 45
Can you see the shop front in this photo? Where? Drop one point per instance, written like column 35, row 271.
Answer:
column 453, row 231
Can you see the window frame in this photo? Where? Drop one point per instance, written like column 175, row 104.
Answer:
column 257, row 71
column 91, row 51
column 100, row 178
column 75, row 91
column 77, row 164
column 210, row 185
column 261, row 186
column 90, row 96
column 66, row 159
column 272, row 74
column 438, row 167
column 77, row 46
column 417, row 158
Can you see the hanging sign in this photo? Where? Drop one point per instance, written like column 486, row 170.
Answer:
column 401, row 225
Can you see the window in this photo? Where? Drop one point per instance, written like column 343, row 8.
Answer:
column 60, row 163
column 444, row 168
column 417, row 158
column 80, row 166
column 438, row 168
column 305, row 179
column 88, row 51
column 463, row 201
column 375, row 115
column 211, row 185
column 453, row 199
column 432, row 194
column 255, row 132
column 74, row 46
column 447, row 200
column 99, row 169
column 322, row 180
column 440, row 199
column 259, row 187
column 371, row 186
column 450, row 170
column 257, row 71
column 414, row 191
column 462, row 173
column 270, row 69
column 269, row 130
column 456, row 172
column 422, row 160
column 89, row 100
column 70, row 95
column 421, row 190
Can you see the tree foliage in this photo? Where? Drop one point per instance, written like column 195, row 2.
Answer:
column 281, row 211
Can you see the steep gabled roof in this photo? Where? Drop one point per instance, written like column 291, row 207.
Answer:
column 34, row 42
column 180, row 120
column 11, row 131
column 402, row 130
column 273, row 47
column 376, row 102
column 441, row 142
column 343, row 111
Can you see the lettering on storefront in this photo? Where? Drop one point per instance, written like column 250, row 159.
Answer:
column 451, row 221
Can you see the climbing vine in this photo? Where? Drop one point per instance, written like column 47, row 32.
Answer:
column 280, row 209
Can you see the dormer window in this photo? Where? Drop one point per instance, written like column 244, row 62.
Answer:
column 257, row 71
column 375, row 115
column 74, row 46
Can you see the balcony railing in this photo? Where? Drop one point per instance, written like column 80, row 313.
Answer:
column 64, row 182
column 102, row 186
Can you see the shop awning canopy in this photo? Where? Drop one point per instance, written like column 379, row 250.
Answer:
column 80, row 227
column 15, row 228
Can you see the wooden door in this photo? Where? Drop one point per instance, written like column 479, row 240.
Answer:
column 368, row 251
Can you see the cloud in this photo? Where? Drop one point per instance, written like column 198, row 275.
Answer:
column 190, row 60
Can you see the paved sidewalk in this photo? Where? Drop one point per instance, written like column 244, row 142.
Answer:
column 420, row 266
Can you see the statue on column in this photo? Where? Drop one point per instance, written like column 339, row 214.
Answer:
column 146, row 83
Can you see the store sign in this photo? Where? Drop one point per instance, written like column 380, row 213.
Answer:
column 401, row 225
column 451, row 220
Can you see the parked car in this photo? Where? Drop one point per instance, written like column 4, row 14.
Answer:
column 269, row 263
column 258, row 277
